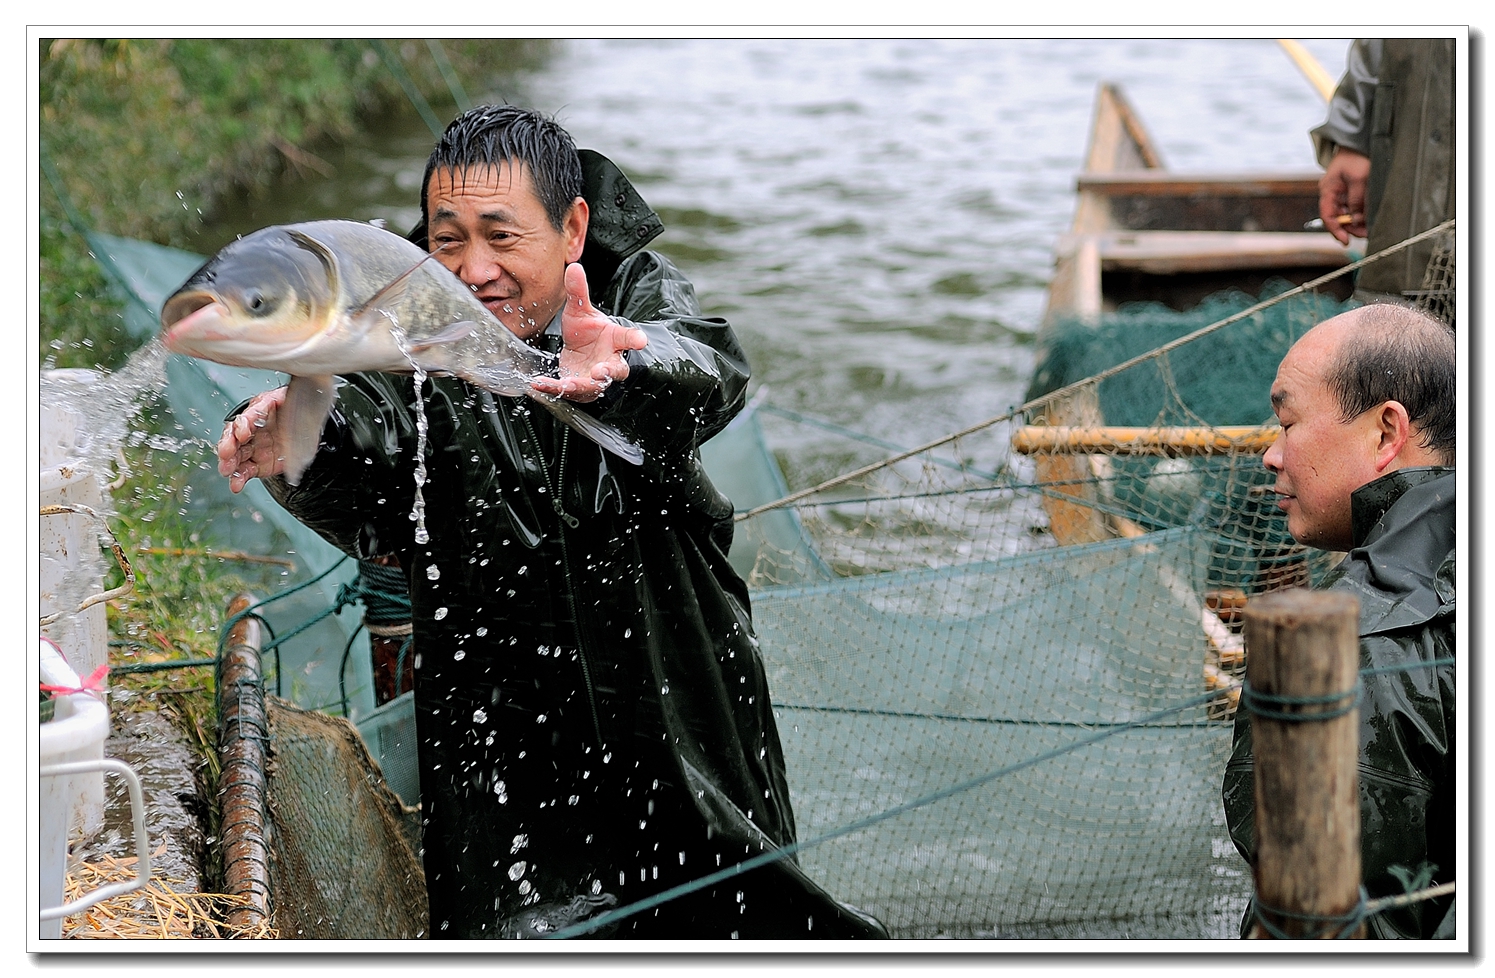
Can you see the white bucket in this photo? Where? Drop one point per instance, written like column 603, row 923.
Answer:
column 68, row 801
column 69, row 542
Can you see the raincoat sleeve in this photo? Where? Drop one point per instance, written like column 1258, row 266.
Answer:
column 359, row 490
column 691, row 378
column 1351, row 109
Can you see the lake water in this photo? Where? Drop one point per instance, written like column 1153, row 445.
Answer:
column 875, row 217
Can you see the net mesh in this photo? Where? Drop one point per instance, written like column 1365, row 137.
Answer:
column 971, row 608
column 1438, row 293
column 343, row 848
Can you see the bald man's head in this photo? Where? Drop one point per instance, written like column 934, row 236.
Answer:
column 1393, row 353
column 1359, row 396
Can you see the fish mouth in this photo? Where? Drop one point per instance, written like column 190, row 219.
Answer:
column 192, row 317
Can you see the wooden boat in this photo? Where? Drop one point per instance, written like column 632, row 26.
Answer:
column 1142, row 232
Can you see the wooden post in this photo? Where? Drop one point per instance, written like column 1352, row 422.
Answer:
column 1303, row 644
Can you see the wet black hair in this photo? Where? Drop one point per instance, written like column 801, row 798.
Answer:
column 1395, row 353
column 497, row 134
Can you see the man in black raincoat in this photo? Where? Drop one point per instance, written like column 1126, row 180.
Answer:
column 1364, row 464
column 593, row 714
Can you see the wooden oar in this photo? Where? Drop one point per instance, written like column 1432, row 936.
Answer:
column 1321, row 80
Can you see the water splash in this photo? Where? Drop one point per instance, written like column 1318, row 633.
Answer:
column 88, row 417
column 418, row 512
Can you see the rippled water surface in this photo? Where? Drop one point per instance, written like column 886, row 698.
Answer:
column 876, row 217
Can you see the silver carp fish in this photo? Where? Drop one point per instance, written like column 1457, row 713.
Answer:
column 337, row 297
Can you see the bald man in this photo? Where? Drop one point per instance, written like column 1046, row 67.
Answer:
column 1364, row 464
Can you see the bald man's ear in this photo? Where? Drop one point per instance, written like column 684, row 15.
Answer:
column 1394, row 427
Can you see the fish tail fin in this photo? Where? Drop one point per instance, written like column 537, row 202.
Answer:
column 598, row 431
column 302, row 415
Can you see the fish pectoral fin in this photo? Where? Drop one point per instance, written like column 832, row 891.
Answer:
column 451, row 334
column 302, row 415
column 598, row 431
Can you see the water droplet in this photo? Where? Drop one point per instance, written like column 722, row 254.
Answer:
column 525, row 887
column 482, row 631
column 520, row 841
column 606, row 758
column 540, row 718
column 574, row 800
column 433, row 572
column 440, row 614
column 459, row 655
column 480, row 715
column 665, row 689
column 627, row 632
column 596, row 887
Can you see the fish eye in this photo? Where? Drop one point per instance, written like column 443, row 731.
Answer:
column 256, row 303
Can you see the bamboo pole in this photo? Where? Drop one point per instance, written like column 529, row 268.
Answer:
column 1302, row 645
column 1168, row 442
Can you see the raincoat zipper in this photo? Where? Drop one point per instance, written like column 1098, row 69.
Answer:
column 553, row 487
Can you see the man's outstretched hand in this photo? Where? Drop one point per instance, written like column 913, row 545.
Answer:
column 592, row 355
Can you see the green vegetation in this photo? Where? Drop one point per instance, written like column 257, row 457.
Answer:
column 146, row 137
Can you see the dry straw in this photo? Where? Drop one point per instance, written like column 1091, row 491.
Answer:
column 157, row 911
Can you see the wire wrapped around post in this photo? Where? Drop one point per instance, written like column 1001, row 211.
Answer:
column 243, row 745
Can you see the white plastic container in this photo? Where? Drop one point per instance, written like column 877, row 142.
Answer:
column 68, row 802
column 70, row 564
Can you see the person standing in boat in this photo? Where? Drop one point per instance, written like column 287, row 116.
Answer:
column 1389, row 153
column 593, row 715
column 1364, row 464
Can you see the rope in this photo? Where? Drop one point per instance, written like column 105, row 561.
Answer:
column 1260, row 704
column 449, row 74
column 1079, row 385
column 867, row 439
column 1344, row 925
column 397, row 68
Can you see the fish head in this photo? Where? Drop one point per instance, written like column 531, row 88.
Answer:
column 255, row 302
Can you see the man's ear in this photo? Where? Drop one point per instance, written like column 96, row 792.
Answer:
column 575, row 229
column 1394, row 428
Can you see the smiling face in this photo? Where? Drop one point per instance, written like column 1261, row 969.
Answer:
column 493, row 232
column 1319, row 458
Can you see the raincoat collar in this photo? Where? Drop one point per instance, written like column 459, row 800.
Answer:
column 1402, row 567
column 1369, row 503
